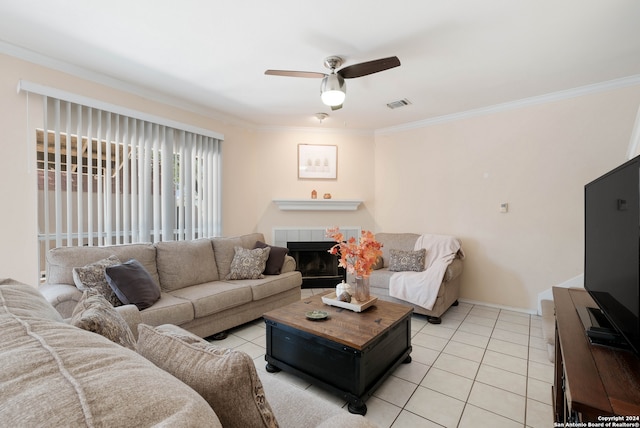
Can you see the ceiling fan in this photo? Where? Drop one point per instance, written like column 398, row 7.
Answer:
column 333, row 89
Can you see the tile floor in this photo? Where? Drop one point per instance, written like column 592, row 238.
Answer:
column 482, row 367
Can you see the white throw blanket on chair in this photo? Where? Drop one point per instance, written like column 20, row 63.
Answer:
column 421, row 288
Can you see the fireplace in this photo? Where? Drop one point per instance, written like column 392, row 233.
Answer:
column 319, row 269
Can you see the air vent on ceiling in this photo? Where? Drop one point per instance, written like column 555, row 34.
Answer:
column 399, row 103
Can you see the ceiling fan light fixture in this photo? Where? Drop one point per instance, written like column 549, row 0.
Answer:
column 333, row 90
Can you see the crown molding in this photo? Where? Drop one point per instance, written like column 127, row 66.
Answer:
column 512, row 105
column 110, row 82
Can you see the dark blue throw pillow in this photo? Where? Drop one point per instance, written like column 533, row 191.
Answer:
column 275, row 260
column 131, row 282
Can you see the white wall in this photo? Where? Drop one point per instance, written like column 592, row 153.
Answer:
column 277, row 178
column 452, row 177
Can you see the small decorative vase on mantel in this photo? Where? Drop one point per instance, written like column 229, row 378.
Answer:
column 362, row 293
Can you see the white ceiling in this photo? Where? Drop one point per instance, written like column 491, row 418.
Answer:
column 456, row 55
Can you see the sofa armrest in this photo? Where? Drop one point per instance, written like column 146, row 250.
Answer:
column 132, row 316
column 453, row 270
column 63, row 297
column 289, row 264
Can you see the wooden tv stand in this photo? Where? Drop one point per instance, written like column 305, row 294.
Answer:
column 591, row 382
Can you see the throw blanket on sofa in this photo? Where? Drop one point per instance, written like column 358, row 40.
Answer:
column 421, row 288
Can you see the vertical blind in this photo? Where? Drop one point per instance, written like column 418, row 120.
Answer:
column 107, row 178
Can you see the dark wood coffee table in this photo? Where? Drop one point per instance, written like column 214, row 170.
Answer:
column 348, row 353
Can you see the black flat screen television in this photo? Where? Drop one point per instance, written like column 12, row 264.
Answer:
column 612, row 255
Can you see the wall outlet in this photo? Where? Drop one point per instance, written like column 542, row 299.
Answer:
column 504, row 207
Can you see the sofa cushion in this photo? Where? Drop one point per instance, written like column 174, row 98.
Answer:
column 226, row 378
column 144, row 253
column 61, row 261
column 270, row 285
column 94, row 313
column 398, row 241
column 224, row 249
column 184, row 263
column 213, row 297
column 168, row 310
column 132, row 284
column 54, row 374
column 248, row 264
column 380, row 279
column 404, row 260
column 276, row 258
column 92, row 277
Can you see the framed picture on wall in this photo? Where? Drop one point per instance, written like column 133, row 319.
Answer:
column 317, row 161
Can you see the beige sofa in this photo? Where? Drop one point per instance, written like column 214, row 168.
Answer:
column 191, row 274
column 55, row 374
column 449, row 290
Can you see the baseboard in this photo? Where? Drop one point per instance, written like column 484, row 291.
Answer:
column 506, row 308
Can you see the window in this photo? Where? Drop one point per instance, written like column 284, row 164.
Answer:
column 107, row 178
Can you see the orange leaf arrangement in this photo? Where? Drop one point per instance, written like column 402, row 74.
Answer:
column 358, row 258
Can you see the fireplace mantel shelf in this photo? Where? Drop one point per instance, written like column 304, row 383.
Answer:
column 317, row 204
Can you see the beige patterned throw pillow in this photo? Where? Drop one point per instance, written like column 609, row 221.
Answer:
column 94, row 313
column 249, row 264
column 226, row 378
column 401, row 260
column 92, row 276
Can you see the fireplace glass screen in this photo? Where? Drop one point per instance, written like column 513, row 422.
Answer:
column 319, row 269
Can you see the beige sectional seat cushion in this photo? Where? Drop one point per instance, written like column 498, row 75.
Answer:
column 168, row 310
column 270, row 286
column 226, row 378
column 381, row 278
column 54, row 374
column 184, row 263
column 214, row 297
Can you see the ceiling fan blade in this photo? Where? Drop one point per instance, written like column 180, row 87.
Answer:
column 338, row 107
column 369, row 67
column 289, row 73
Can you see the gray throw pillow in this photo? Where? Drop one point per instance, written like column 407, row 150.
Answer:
column 92, row 276
column 276, row 258
column 94, row 313
column 248, row 264
column 132, row 284
column 401, row 260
